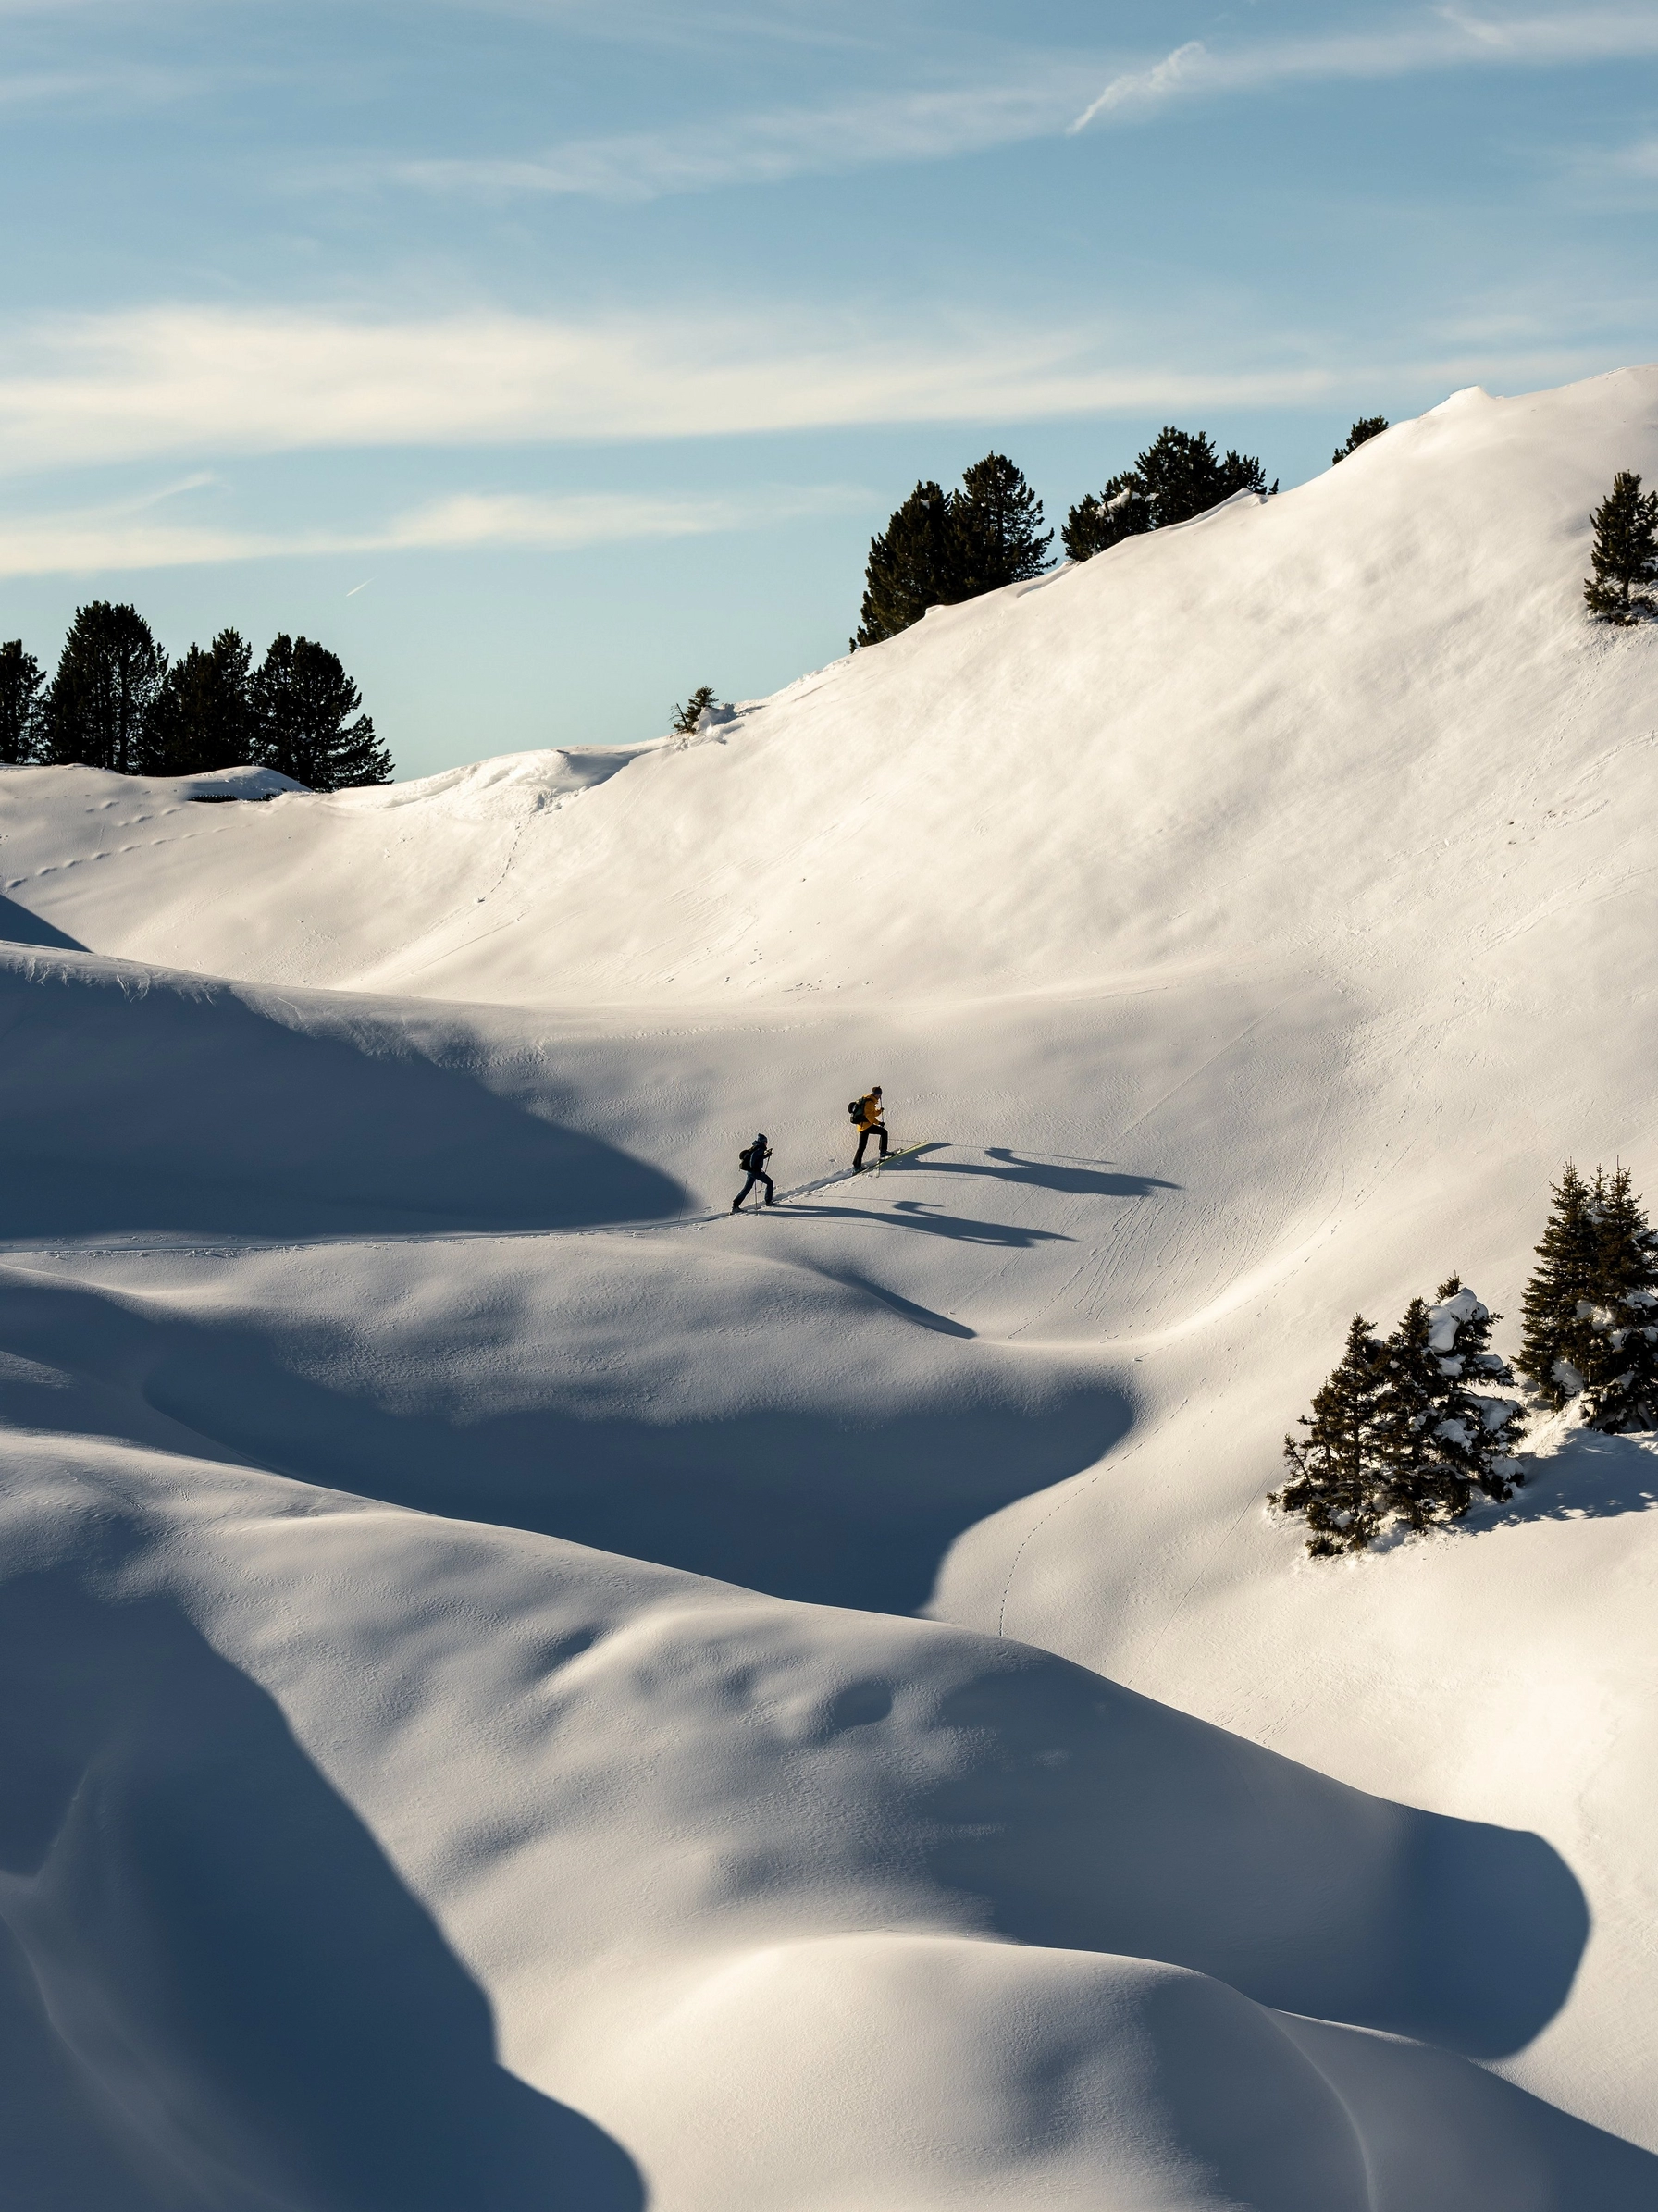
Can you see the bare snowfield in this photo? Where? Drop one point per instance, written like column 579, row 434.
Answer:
column 519, row 1691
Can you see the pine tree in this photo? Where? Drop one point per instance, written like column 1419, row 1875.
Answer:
column 998, row 522
column 1367, row 428
column 202, row 718
column 1182, row 475
column 1179, row 476
column 1625, row 558
column 1121, row 510
column 1422, row 1482
column 21, row 717
column 1622, row 1391
column 685, row 718
column 1559, row 1351
column 941, row 547
column 308, row 720
column 914, row 565
column 108, row 674
column 1475, row 1434
column 1340, row 1469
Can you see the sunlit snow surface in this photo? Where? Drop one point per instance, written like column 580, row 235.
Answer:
column 518, row 1690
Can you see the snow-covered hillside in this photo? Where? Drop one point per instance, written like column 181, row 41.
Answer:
column 520, row 1689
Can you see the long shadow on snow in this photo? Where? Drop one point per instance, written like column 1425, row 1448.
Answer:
column 918, row 1214
column 1077, row 1178
column 134, row 1103
column 228, row 1958
column 800, row 1504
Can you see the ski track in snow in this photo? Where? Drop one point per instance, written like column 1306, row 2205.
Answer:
column 511, row 1698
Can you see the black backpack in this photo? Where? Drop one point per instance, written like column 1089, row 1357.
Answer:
column 746, row 1161
column 855, row 1109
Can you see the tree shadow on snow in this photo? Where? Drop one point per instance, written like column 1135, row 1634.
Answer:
column 156, row 1105
column 1592, row 1477
column 247, row 2002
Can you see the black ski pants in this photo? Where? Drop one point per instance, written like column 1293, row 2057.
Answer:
column 756, row 1175
column 863, row 1137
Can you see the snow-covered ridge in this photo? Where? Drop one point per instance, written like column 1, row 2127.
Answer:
column 1327, row 726
column 517, row 1687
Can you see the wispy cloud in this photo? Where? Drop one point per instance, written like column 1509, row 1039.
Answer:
column 120, row 85
column 925, row 125
column 206, row 381
column 1447, row 38
column 1147, row 88
column 1027, row 98
column 1616, row 164
column 126, row 535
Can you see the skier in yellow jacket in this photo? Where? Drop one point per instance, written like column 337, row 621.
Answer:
column 868, row 1124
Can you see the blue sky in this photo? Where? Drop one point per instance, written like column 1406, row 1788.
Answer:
column 547, row 358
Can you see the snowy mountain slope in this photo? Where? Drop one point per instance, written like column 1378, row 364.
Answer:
column 1257, row 916
column 778, row 1863
column 1134, row 761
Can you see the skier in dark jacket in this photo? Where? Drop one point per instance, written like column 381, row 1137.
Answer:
column 753, row 1163
column 868, row 1124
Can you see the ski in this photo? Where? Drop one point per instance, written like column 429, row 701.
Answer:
column 844, row 1174
column 823, row 1182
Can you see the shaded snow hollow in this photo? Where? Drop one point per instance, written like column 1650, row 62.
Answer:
column 520, row 1690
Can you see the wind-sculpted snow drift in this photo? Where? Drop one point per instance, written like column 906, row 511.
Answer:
column 520, row 1690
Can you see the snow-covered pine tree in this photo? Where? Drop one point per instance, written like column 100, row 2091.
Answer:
column 1558, row 1352
column 1424, row 1481
column 1622, row 1376
column 1625, row 558
column 1338, row 1470
column 1367, row 428
column 1478, row 1435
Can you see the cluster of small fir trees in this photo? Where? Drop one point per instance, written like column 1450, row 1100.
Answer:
column 1400, row 1436
column 116, row 701
column 1179, row 476
column 1367, row 428
column 942, row 547
column 1405, row 1432
column 1592, row 1306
